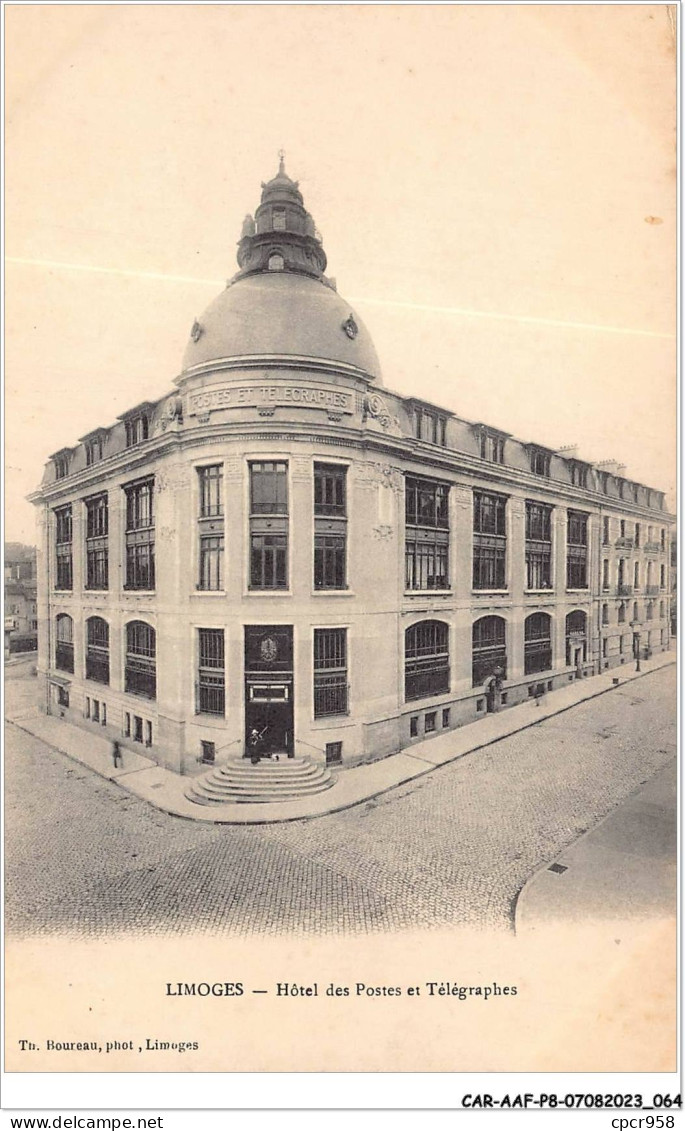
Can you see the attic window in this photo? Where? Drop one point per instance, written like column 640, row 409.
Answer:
column 491, row 445
column 276, row 262
column 61, row 466
column 430, row 426
column 93, row 450
column 539, row 462
column 279, row 219
column 579, row 474
column 137, row 429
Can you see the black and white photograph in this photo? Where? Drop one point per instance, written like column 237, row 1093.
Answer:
column 340, row 538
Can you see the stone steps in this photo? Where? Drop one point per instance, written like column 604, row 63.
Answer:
column 238, row 781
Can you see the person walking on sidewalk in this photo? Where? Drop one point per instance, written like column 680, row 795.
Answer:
column 117, row 756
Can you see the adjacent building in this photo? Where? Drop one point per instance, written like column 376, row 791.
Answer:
column 283, row 554
column 21, row 608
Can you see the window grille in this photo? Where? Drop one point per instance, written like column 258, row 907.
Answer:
column 330, row 672
column 140, row 677
column 64, row 643
column 489, row 541
column 140, row 535
column 538, row 643
column 211, row 687
column 576, row 551
column 538, row 546
column 489, row 651
column 97, row 549
column 426, row 654
column 63, row 548
column 97, row 649
column 269, row 536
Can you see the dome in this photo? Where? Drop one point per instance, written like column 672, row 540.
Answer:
column 284, row 314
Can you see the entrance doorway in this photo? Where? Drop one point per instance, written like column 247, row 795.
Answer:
column 269, row 691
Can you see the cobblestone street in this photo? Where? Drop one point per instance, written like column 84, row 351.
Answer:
column 455, row 847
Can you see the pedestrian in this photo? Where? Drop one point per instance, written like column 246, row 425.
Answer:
column 117, row 756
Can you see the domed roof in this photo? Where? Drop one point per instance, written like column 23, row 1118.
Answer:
column 284, row 314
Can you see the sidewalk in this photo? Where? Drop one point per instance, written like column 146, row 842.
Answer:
column 165, row 789
column 625, row 865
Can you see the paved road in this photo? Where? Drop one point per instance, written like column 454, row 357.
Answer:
column 454, row 847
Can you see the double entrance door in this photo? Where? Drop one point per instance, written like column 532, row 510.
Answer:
column 269, row 690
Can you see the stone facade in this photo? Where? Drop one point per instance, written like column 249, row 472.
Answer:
column 350, row 576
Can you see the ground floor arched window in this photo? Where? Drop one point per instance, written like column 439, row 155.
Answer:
column 426, row 660
column 140, row 676
column 97, row 649
column 64, row 644
column 489, row 649
column 576, row 639
column 538, row 643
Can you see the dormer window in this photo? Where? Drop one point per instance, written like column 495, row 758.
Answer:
column 137, row 429
column 279, row 219
column 430, row 426
column 579, row 474
column 61, row 466
column 540, row 462
column 491, row 444
column 93, row 450
column 276, row 261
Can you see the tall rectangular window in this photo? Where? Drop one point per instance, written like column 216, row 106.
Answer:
column 427, row 534
column 211, row 495
column 576, row 550
column 140, row 535
column 605, row 531
column 97, row 531
column 211, row 527
column 211, row 682
column 489, row 540
column 269, row 535
column 538, row 545
column 330, row 672
column 330, row 526
column 64, row 578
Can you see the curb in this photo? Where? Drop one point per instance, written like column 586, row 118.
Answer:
column 343, row 806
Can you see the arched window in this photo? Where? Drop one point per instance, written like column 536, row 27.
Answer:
column 276, row 261
column 97, row 649
column 576, row 638
column 489, row 649
column 64, row 648
column 605, row 614
column 538, row 643
column 622, row 613
column 636, row 611
column 650, row 610
column 140, row 671
column 426, row 659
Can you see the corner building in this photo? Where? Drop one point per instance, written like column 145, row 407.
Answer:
column 283, row 553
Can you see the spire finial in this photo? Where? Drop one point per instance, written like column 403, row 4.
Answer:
column 281, row 166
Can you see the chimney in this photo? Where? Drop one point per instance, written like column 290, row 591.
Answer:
column 569, row 451
column 612, row 466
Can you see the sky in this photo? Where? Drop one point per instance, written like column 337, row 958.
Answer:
column 495, row 187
